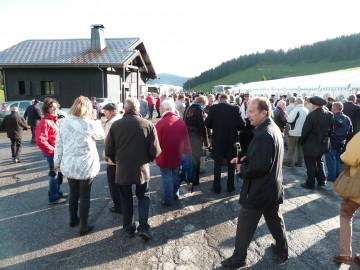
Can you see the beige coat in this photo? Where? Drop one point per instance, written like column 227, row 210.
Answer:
column 352, row 157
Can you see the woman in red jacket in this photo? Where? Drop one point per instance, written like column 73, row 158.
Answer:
column 45, row 136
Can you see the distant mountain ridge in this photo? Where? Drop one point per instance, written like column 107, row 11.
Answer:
column 171, row 79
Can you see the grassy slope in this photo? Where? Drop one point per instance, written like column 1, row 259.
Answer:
column 276, row 72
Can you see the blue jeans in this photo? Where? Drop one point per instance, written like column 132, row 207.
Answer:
column 54, row 188
column 332, row 159
column 127, row 206
column 170, row 184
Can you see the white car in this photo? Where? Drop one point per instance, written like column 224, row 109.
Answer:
column 103, row 101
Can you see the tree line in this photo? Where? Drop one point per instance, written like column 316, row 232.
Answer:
column 342, row 48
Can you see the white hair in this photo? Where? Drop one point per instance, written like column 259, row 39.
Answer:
column 169, row 104
column 132, row 104
column 281, row 102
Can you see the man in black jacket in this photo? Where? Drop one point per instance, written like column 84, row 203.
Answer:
column 14, row 125
column 262, row 191
column 225, row 121
column 315, row 140
column 33, row 116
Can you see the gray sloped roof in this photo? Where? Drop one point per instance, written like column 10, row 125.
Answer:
column 65, row 52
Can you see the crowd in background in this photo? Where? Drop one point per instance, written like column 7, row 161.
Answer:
column 191, row 125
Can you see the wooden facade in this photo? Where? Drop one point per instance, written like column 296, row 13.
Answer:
column 66, row 84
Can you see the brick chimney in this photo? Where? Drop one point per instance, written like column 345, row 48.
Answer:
column 97, row 37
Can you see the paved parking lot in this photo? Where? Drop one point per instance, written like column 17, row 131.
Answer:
column 196, row 233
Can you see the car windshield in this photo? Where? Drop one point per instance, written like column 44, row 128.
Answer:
column 100, row 100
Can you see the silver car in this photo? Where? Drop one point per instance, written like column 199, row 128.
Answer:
column 5, row 108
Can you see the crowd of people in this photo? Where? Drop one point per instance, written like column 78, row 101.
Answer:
column 191, row 125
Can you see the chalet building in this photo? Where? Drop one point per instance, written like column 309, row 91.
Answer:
column 67, row 68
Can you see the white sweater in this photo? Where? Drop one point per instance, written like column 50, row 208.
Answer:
column 303, row 112
column 75, row 149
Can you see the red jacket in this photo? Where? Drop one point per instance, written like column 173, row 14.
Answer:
column 157, row 104
column 174, row 141
column 45, row 133
column 150, row 100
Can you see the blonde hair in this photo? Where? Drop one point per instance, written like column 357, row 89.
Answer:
column 202, row 99
column 82, row 107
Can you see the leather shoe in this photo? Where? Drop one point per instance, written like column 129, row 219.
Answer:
column 343, row 259
column 74, row 223
column 217, row 191
column 283, row 254
column 304, row 185
column 145, row 235
column 233, row 263
column 87, row 229
column 115, row 210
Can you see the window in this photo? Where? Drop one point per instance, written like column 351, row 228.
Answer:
column 23, row 106
column 47, row 88
column 21, row 88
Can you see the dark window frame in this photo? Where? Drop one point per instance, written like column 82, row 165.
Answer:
column 47, row 88
column 22, row 88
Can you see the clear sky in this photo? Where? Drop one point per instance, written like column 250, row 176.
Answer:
column 184, row 37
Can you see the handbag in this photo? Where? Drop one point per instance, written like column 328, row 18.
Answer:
column 348, row 186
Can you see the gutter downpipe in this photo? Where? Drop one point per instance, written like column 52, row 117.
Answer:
column 123, row 86
column 102, row 81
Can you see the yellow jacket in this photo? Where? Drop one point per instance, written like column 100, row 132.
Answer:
column 352, row 157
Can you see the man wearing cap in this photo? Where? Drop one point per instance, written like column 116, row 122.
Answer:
column 315, row 140
column 33, row 116
column 111, row 114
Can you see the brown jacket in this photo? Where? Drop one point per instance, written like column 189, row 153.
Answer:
column 132, row 144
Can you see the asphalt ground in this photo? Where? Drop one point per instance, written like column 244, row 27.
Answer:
column 197, row 232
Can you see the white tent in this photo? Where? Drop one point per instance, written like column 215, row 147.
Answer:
column 339, row 84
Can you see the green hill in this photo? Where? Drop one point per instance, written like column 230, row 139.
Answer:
column 276, row 71
column 324, row 56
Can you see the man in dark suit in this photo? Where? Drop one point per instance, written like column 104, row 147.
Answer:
column 315, row 140
column 225, row 121
column 352, row 110
column 262, row 191
column 33, row 116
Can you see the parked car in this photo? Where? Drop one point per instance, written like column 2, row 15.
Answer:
column 5, row 108
column 103, row 101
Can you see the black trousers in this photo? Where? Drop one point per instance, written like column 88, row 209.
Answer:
column 128, row 206
column 247, row 223
column 113, row 188
column 217, row 175
column 15, row 148
column 315, row 170
column 79, row 189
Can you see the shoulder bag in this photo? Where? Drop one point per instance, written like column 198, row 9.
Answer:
column 348, row 186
